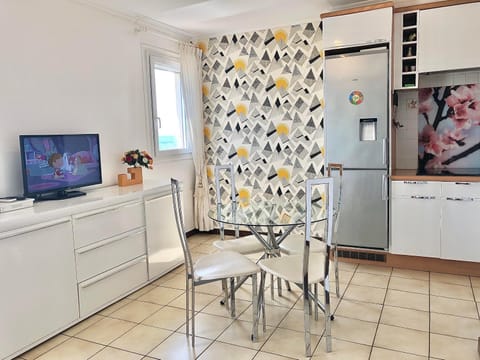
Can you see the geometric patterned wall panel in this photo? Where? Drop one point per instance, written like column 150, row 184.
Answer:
column 263, row 108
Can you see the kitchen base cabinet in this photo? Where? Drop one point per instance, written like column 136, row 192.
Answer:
column 39, row 292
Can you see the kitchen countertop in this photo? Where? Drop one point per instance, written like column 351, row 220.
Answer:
column 411, row 175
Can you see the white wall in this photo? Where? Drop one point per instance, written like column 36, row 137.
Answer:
column 69, row 68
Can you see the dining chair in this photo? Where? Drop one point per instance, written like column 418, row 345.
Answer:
column 246, row 244
column 293, row 244
column 307, row 268
column 213, row 267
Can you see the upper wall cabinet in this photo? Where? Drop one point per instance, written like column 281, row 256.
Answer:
column 405, row 75
column 367, row 27
column 447, row 38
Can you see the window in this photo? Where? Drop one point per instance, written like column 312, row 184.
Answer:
column 169, row 126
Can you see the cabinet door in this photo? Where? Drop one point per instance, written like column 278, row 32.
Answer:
column 37, row 273
column 443, row 38
column 164, row 249
column 460, row 230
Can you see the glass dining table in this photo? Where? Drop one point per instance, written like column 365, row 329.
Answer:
column 270, row 221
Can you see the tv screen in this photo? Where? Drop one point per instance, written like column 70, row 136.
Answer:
column 52, row 164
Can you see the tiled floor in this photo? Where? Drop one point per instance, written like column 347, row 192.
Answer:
column 384, row 313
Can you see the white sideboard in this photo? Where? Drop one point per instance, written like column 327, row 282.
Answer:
column 436, row 219
column 62, row 261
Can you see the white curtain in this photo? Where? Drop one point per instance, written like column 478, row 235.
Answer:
column 191, row 78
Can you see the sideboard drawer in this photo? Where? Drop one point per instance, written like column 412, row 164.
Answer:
column 414, row 189
column 106, row 287
column 461, row 190
column 106, row 254
column 107, row 222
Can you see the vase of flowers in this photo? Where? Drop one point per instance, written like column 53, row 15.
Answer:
column 136, row 159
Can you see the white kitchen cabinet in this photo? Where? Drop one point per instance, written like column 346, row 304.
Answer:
column 37, row 275
column 163, row 243
column 444, row 35
column 415, row 218
column 405, row 38
column 460, row 215
column 361, row 28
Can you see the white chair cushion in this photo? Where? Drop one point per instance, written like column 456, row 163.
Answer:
column 223, row 265
column 294, row 244
column 244, row 245
column 290, row 267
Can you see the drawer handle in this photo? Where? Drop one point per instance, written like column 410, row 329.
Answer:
column 463, row 183
column 111, row 272
column 460, row 199
column 415, row 182
column 35, row 227
column 107, row 209
column 102, row 243
column 418, row 197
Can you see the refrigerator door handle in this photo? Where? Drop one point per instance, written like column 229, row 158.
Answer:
column 385, row 187
column 385, row 152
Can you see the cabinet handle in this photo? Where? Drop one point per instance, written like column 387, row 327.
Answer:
column 114, row 271
column 35, row 227
column 415, row 182
column 102, row 243
column 418, row 197
column 460, row 199
column 463, row 183
column 385, row 187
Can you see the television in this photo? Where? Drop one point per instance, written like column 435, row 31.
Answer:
column 54, row 164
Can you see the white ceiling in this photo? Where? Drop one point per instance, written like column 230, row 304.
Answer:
column 202, row 18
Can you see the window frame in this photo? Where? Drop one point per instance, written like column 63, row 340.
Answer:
column 168, row 61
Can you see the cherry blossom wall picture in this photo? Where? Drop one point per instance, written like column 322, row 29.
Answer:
column 449, row 127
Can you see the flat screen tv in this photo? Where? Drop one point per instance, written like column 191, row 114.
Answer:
column 54, row 164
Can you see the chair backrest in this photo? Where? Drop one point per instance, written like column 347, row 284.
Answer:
column 327, row 182
column 233, row 195
column 338, row 205
column 177, row 209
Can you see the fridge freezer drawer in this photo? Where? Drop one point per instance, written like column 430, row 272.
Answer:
column 364, row 208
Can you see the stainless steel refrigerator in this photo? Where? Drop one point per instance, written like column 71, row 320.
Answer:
column 356, row 135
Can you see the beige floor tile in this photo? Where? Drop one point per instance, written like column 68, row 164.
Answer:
column 365, row 293
column 451, row 291
column 383, row 354
column 72, row 349
column 115, row 354
column 452, row 348
column 411, row 274
column 450, row 279
column 105, row 330
column 114, row 307
column 374, row 269
column 451, row 306
column 220, row 350
column 367, row 279
column 402, row 339
column 359, row 310
column 289, row 343
column 201, row 300
column 136, row 311
column 169, row 318
column 214, row 288
column 140, row 292
column 353, row 330
column 208, row 326
column 44, row 347
column 407, row 300
column 341, row 350
column 239, row 333
column 476, row 292
column 344, row 275
column 347, row 266
column 179, row 347
column 175, row 282
column 454, row 326
column 83, row 325
column 411, row 285
column 216, row 308
column 295, row 321
column 273, row 314
column 288, row 298
column 267, row 356
column 141, row 339
column 163, row 279
column 161, row 295
column 475, row 281
column 407, row 318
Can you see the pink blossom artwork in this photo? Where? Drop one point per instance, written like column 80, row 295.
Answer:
column 449, row 127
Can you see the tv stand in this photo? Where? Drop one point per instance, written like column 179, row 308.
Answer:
column 60, row 195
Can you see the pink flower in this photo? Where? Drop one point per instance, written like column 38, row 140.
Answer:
column 425, row 106
column 425, row 94
column 460, row 95
column 451, row 138
column 431, row 141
